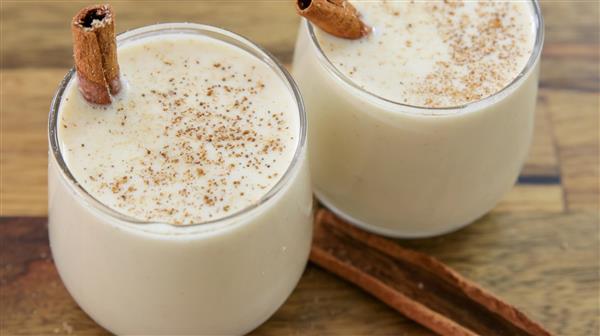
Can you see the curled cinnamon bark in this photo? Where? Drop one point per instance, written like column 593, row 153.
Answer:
column 95, row 53
column 415, row 284
column 337, row 17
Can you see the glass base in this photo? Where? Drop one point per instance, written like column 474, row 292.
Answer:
column 383, row 231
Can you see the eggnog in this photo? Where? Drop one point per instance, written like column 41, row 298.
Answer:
column 184, row 206
column 421, row 126
column 202, row 131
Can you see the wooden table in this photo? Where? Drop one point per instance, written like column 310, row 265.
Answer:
column 539, row 249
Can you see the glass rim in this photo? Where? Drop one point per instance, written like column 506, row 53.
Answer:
column 447, row 110
column 222, row 35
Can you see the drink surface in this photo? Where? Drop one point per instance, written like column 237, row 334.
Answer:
column 435, row 53
column 203, row 130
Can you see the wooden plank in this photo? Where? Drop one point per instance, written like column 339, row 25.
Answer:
column 35, row 38
column 543, row 158
column 546, row 265
column 25, row 101
column 571, row 22
column 533, row 198
column 575, row 128
column 570, row 73
column 571, row 50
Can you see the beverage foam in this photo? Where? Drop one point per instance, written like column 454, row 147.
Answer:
column 436, row 53
column 203, row 130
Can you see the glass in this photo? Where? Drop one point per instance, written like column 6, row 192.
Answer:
column 409, row 171
column 226, row 276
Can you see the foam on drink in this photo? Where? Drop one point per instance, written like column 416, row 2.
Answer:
column 203, row 130
column 435, row 53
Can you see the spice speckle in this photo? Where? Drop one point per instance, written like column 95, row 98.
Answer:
column 444, row 53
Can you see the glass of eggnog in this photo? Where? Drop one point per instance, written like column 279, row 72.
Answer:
column 421, row 126
column 184, row 206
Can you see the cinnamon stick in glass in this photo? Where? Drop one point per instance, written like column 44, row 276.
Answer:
column 336, row 17
column 95, row 53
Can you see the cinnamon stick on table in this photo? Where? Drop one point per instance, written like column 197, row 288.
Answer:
column 337, row 17
column 416, row 285
column 95, row 53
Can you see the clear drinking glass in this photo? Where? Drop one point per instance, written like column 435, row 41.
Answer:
column 221, row 277
column 408, row 171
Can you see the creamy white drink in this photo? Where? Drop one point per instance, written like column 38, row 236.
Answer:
column 203, row 130
column 422, row 126
column 184, row 207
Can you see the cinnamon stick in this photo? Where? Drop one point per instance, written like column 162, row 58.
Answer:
column 337, row 17
column 416, row 285
column 95, row 53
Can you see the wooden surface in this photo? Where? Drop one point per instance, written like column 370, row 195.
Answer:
column 539, row 249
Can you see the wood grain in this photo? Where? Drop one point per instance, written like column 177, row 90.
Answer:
column 271, row 23
column 538, row 249
column 575, row 127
